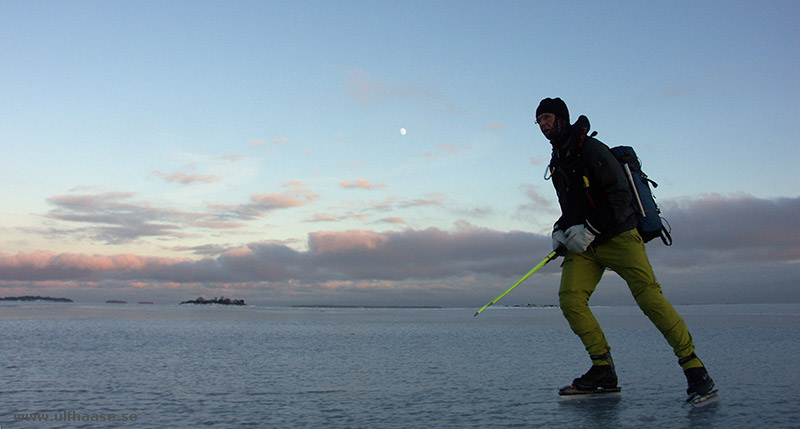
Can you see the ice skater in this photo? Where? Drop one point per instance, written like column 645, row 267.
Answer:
column 597, row 228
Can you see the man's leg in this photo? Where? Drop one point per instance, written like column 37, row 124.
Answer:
column 626, row 255
column 579, row 277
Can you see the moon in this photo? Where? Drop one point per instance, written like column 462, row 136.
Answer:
column 402, row 131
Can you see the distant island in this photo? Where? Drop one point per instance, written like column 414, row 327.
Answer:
column 34, row 298
column 116, row 301
column 220, row 300
column 533, row 306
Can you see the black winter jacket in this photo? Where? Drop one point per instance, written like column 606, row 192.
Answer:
column 592, row 188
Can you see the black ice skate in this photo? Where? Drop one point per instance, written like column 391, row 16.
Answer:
column 701, row 386
column 600, row 379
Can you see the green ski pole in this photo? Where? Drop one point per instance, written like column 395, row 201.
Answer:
column 554, row 254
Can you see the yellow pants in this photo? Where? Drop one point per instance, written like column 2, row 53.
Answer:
column 624, row 254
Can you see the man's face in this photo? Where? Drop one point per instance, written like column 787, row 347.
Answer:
column 546, row 122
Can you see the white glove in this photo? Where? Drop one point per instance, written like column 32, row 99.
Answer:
column 578, row 238
column 559, row 239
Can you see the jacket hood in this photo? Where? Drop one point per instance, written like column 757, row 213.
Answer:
column 574, row 136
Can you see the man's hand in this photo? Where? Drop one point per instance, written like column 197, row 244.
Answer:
column 578, row 238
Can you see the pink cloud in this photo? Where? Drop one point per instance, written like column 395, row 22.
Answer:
column 217, row 224
column 188, row 179
column 361, row 184
column 449, row 148
column 327, row 217
column 296, row 195
column 45, row 265
column 393, row 219
column 268, row 202
column 725, row 244
column 349, row 241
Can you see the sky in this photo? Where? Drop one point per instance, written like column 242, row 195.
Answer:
column 165, row 150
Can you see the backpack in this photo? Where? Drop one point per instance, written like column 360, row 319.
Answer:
column 644, row 203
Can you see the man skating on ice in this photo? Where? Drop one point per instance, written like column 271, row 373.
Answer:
column 598, row 229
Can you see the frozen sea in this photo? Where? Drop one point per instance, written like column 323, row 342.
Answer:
column 189, row 366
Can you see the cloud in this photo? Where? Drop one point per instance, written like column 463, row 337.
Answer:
column 367, row 89
column 717, row 229
column 368, row 209
column 118, row 218
column 432, row 200
column 296, row 195
column 49, row 266
column 532, row 193
column 392, row 219
column 263, row 203
column 355, row 254
column 188, row 179
column 274, row 144
column 328, row 217
column 114, row 218
column 205, row 250
column 538, row 205
column 216, row 224
column 361, row 184
column 421, row 254
column 538, row 161
column 345, row 242
column 445, row 150
column 479, row 212
column 206, row 169
column 727, row 249
column 230, row 157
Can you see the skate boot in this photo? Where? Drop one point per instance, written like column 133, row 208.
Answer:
column 599, row 379
column 701, row 386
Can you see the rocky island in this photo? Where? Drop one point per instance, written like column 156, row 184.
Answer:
column 220, row 300
column 34, row 298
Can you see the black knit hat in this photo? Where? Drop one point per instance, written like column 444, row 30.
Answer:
column 555, row 106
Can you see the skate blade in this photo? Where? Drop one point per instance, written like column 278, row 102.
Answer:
column 702, row 400
column 571, row 391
